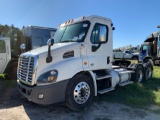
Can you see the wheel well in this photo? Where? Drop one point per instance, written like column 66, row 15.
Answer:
column 135, row 56
column 85, row 73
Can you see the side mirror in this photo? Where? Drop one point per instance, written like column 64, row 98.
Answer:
column 23, row 46
column 50, row 42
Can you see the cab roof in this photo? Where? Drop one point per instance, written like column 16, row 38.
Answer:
column 83, row 18
column 152, row 37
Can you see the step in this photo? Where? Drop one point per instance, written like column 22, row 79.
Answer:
column 105, row 90
column 125, row 72
column 125, row 83
column 103, row 77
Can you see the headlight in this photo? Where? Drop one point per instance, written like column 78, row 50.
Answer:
column 48, row 77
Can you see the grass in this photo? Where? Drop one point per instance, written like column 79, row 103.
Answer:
column 137, row 94
column 2, row 76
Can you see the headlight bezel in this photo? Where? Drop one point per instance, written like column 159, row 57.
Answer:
column 48, row 77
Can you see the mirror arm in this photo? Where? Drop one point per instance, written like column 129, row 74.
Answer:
column 95, row 48
column 49, row 57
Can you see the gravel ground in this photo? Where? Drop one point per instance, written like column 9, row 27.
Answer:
column 14, row 106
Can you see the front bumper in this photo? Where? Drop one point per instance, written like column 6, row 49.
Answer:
column 54, row 93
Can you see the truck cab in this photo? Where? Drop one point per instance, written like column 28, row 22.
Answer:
column 150, row 49
column 75, row 66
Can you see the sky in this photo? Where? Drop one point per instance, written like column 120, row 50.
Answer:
column 133, row 20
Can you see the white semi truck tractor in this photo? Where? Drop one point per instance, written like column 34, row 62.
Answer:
column 76, row 65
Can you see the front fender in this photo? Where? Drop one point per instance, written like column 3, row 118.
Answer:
column 66, row 68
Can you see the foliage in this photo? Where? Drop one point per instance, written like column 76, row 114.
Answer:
column 14, row 34
column 9, row 31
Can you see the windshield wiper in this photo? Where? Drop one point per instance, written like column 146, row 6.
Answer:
column 67, row 41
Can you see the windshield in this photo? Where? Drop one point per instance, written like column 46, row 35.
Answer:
column 72, row 33
column 145, row 47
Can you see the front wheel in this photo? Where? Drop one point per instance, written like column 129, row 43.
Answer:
column 80, row 92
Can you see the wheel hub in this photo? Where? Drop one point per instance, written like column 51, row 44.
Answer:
column 81, row 92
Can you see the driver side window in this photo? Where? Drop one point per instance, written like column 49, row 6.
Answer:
column 99, row 31
column 2, row 47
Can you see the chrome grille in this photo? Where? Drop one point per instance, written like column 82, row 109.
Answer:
column 26, row 68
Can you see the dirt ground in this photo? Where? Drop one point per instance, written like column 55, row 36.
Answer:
column 16, row 107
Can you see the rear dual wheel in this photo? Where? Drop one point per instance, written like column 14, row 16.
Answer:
column 141, row 72
column 138, row 75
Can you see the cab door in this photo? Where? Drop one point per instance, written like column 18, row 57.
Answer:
column 99, row 54
column 3, row 55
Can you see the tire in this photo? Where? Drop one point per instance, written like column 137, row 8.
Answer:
column 11, row 73
column 139, row 73
column 148, row 71
column 80, row 92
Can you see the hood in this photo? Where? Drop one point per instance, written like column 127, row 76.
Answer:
column 56, row 48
